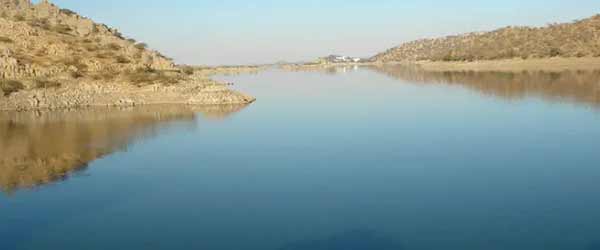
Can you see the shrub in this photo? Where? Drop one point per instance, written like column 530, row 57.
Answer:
column 188, row 70
column 41, row 53
column 147, row 76
column 75, row 62
column 141, row 45
column 10, row 86
column 44, row 84
column 105, row 55
column 5, row 40
column 40, row 23
column 67, row 12
column 165, row 57
column 19, row 18
column 554, row 52
column 122, row 60
column 76, row 74
column 105, row 76
column 113, row 46
column 131, row 40
column 91, row 48
column 62, row 29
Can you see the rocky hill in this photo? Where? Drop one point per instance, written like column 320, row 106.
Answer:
column 577, row 39
column 54, row 58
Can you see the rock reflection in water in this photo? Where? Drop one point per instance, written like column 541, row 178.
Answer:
column 46, row 146
column 351, row 240
column 581, row 87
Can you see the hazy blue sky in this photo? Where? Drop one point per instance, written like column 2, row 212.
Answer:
column 263, row 31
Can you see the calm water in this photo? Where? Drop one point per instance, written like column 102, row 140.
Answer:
column 340, row 159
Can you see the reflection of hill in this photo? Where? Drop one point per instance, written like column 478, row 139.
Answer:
column 576, row 86
column 43, row 147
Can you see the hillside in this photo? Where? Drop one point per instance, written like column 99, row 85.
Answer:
column 577, row 39
column 44, row 47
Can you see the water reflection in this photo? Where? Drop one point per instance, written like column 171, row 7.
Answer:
column 582, row 87
column 46, row 146
column 362, row 239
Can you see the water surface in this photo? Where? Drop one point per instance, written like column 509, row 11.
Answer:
column 345, row 158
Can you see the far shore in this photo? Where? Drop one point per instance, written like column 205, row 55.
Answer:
column 555, row 64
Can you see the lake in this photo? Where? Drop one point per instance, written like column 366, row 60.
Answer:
column 352, row 158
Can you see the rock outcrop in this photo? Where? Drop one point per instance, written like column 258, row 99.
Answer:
column 55, row 58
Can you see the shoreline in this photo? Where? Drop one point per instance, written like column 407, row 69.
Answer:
column 555, row 64
column 196, row 90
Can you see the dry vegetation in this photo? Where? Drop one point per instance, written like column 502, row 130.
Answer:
column 141, row 77
column 10, row 86
column 5, row 40
column 578, row 39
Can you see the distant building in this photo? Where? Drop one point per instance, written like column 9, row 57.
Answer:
column 340, row 59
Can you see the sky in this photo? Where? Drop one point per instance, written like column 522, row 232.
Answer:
column 235, row 32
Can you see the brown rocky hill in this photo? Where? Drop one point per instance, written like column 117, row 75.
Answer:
column 69, row 60
column 43, row 40
column 577, row 39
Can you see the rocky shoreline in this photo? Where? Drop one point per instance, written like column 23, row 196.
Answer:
column 193, row 91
